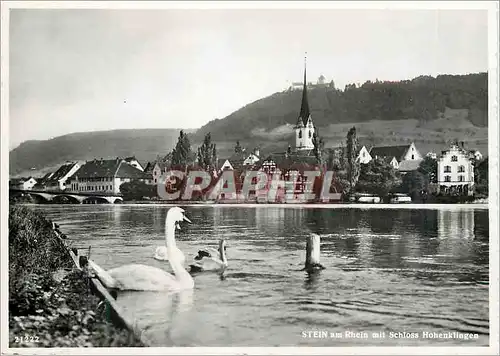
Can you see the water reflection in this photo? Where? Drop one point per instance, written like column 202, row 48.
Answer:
column 410, row 260
column 155, row 312
column 271, row 220
column 455, row 224
column 312, row 280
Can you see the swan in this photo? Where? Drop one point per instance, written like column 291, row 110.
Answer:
column 161, row 251
column 161, row 254
column 148, row 278
column 209, row 259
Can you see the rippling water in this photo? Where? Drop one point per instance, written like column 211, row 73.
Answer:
column 399, row 270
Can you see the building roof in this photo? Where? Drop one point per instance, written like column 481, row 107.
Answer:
column 290, row 161
column 16, row 181
column 236, row 160
column 459, row 149
column 389, row 151
column 132, row 158
column 99, row 168
column 45, row 178
column 108, row 169
column 305, row 113
column 409, row 165
column 128, row 171
column 20, row 180
column 149, row 167
column 60, row 173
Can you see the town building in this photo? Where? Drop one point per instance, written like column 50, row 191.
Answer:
column 304, row 129
column 455, row 171
column 476, row 155
column 252, row 158
column 395, row 155
column 41, row 182
column 104, row 176
column 57, row 181
column 364, row 156
column 22, row 183
column 292, row 164
column 159, row 168
column 134, row 162
column 432, row 155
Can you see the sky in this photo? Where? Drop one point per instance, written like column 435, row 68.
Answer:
column 86, row 70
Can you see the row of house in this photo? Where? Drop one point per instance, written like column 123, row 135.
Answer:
column 95, row 176
column 455, row 165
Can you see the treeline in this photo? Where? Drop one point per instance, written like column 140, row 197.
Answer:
column 422, row 98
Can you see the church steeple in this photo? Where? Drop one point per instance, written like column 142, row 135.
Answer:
column 304, row 130
column 304, row 107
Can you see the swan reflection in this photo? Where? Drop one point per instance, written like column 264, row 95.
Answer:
column 155, row 311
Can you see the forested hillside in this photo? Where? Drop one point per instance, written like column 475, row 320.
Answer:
column 423, row 99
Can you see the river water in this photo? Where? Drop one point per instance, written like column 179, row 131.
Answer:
column 387, row 270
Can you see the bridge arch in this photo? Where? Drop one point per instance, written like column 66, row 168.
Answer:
column 67, row 199
column 39, row 197
column 102, row 200
column 116, row 200
column 95, row 200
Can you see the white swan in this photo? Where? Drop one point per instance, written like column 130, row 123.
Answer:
column 161, row 251
column 147, row 278
column 210, row 259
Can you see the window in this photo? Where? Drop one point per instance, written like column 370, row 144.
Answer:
column 310, row 133
column 364, row 155
column 447, row 179
column 454, row 158
column 300, row 134
column 461, row 169
column 412, row 156
column 447, row 169
column 461, row 178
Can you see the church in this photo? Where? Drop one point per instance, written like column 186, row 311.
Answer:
column 301, row 157
column 291, row 164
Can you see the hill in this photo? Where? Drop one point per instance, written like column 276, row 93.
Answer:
column 37, row 157
column 431, row 111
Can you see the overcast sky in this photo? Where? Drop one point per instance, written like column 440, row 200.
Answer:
column 85, row 70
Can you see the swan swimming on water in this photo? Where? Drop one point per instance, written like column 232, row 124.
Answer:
column 148, row 278
column 161, row 253
column 210, row 259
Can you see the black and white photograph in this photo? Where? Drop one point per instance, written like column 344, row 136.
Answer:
column 250, row 178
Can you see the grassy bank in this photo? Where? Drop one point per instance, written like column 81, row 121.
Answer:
column 50, row 303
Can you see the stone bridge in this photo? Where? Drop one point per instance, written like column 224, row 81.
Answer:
column 74, row 197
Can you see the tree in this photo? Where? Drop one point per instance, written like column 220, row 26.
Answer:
column 481, row 177
column 182, row 155
column 428, row 169
column 207, row 154
column 238, row 149
column 353, row 165
column 378, row 177
column 137, row 190
column 319, row 146
column 414, row 184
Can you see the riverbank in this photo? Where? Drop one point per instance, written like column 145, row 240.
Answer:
column 50, row 302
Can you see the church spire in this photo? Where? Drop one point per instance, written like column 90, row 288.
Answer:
column 304, row 107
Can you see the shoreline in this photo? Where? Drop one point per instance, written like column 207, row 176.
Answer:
column 429, row 206
column 49, row 297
